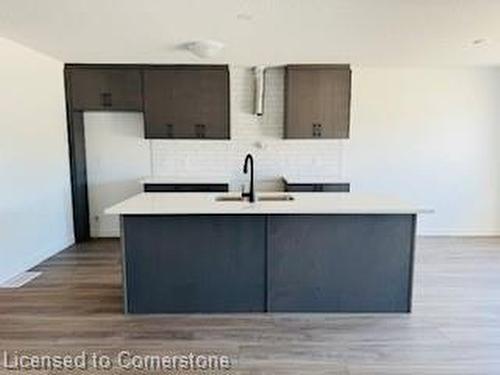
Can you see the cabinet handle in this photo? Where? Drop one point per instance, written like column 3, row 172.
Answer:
column 200, row 130
column 316, row 130
column 169, row 130
column 106, row 99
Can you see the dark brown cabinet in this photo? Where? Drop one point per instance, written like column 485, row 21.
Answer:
column 185, row 188
column 181, row 101
column 317, row 101
column 106, row 89
column 341, row 187
column 311, row 184
column 186, row 102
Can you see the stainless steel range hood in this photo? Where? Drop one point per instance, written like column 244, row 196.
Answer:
column 259, row 76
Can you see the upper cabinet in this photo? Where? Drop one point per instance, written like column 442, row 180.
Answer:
column 186, row 102
column 317, row 101
column 101, row 88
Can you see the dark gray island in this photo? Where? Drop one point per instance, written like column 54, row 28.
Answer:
column 306, row 252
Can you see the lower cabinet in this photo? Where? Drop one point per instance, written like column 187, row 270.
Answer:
column 340, row 263
column 194, row 263
column 186, row 188
column 277, row 263
column 321, row 187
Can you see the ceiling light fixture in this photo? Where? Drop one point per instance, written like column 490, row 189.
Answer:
column 204, row 48
column 479, row 41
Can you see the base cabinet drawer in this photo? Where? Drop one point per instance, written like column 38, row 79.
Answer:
column 332, row 188
column 187, row 188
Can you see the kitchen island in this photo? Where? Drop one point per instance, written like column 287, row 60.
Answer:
column 300, row 252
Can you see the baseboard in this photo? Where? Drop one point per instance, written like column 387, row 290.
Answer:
column 39, row 256
column 109, row 234
column 459, row 234
column 20, row 280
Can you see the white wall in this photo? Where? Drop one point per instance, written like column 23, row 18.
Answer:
column 118, row 156
column 35, row 205
column 431, row 136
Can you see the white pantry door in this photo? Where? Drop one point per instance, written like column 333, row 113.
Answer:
column 118, row 156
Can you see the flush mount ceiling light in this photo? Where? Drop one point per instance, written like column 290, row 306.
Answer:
column 479, row 41
column 204, row 48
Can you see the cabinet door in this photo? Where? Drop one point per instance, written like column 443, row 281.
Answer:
column 329, row 187
column 194, row 263
column 212, row 110
column 186, row 102
column 317, row 101
column 352, row 263
column 162, row 94
column 106, row 89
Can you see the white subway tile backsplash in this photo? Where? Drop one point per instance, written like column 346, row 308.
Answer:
column 261, row 136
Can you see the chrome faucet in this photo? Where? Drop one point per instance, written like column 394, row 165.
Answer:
column 251, row 193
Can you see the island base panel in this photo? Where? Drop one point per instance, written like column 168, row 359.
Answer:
column 340, row 263
column 277, row 263
column 183, row 264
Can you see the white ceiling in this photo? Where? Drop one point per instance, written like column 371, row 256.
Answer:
column 375, row 32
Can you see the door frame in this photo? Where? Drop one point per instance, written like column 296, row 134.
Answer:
column 77, row 164
column 77, row 153
column 76, row 137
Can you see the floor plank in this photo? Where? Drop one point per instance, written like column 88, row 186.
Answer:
column 76, row 304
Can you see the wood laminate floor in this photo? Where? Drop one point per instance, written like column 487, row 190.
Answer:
column 454, row 329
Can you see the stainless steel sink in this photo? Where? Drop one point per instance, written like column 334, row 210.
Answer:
column 276, row 198
column 229, row 199
column 264, row 198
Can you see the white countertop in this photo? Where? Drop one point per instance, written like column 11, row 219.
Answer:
column 312, row 180
column 184, row 180
column 303, row 203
